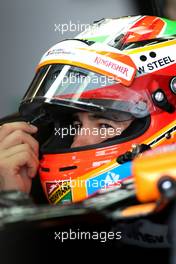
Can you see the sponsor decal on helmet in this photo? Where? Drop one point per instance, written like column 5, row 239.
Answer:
column 99, row 58
column 58, row 191
column 105, row 177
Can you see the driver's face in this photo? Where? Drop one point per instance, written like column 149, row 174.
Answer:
column 93, row 129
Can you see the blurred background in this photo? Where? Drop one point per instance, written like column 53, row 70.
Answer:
column 29, row 28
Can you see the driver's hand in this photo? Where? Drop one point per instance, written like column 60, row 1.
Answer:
column 18, row 156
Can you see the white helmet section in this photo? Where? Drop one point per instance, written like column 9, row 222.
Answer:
column 98, row 57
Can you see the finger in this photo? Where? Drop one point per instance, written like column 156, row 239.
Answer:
column 19, row 137
column 26, row 180
column 7, row 153
column 10, row 158
column 18, row 169
column 8, row 128
column 20, row 182
column 13, row 183
column 30, row 162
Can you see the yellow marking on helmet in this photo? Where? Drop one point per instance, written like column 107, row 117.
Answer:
column 150, row 47
column 159, row 133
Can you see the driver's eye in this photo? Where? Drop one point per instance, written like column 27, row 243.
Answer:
column 77, row 124
column 104, row 125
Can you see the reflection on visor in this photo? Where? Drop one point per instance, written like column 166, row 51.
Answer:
column 79, row 88
column 75, row 81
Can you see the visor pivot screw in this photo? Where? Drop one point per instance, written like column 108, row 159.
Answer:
column 161, row 101
column 159, row 96
column 173, row 85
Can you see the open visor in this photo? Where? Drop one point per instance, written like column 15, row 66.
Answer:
column 78, row 88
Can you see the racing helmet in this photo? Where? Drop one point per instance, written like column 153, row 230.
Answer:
column 119, row 68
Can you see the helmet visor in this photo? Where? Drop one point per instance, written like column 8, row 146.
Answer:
column 82, row 89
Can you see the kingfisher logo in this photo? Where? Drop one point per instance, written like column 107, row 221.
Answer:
column 114, row 66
